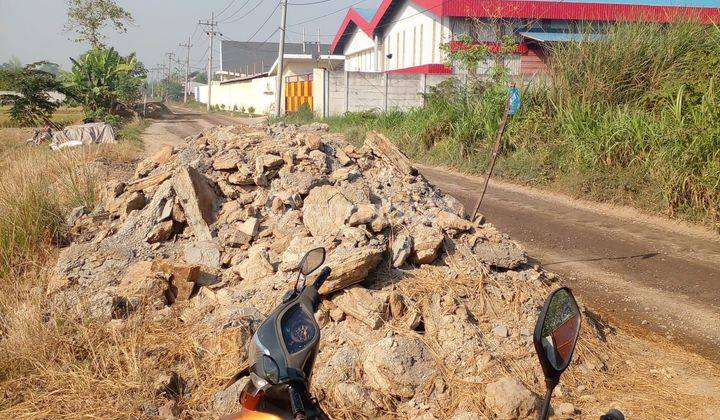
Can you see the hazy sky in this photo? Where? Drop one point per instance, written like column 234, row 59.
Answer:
column 32, row 30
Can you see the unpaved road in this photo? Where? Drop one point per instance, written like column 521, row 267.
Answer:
column 656, row 275
column 173, row 128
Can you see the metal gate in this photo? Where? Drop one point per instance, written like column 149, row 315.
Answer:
column 298, row 91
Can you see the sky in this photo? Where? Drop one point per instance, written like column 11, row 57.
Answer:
column 32, row 30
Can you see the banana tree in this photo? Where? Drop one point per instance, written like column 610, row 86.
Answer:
column 100, row 78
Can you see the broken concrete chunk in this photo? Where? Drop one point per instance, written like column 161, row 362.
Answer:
column 313, row 141
column 325, row 210
column 427, row 242
column 161, row 232
column 509, row 399
column 182, row 276
column 350, row 266
column 402, row 248
column 388, row 153
column 268, row 161
column 205, row 253
column 398, row 366
column 448, row 221
column 362, row 305
column 256, row 266
column 243, row 176
column 227, row 161
column 197, row 199
column 342, row 157
column 364, row 214
column 149, row 182
column 500, row 255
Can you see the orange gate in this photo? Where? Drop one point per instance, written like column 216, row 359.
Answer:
column 298, row 91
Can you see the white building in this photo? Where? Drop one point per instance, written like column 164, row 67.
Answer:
column 405, row 36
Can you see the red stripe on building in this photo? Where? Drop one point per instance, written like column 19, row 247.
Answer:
column 426, row 68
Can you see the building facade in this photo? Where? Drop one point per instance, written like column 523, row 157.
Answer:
column 405, row 36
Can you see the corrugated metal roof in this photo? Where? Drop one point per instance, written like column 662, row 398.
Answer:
column 237, row 56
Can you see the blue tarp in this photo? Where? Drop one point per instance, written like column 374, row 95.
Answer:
column 560, row 36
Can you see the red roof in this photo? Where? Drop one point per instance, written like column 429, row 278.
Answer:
column 530, row 9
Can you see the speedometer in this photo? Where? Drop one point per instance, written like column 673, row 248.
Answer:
column 298, row 329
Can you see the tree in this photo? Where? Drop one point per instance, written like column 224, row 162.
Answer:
column 88, row 18
column 102, row 77
column 172, row 90
column 200, row 77
column 12, row 64
column 31, row 102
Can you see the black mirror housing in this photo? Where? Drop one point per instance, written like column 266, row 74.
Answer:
column 556, row 333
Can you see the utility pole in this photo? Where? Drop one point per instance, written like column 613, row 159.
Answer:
column 170, row 57
column 187, row 69
column 211, row 32
column 281, row 57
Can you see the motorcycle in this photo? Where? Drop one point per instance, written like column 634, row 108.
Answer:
column 282, row 352
column 283, row 349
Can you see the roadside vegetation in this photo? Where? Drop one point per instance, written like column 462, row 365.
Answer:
column 634, row 123
column 234, row 111
column 61, row 363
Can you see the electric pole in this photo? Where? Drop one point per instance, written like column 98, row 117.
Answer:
column 281, row 57
column 170, row 56
column 187, row 69
column 211, row 32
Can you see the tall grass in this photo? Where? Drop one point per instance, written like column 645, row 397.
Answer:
column 633, row 118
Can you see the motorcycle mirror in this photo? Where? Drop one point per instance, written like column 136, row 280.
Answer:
column 312, row 261
column 556, row 332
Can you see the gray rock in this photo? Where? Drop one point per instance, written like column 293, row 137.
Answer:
column 402, row 248
column 325, row 210
column 509, row 399
column 501, row 255
column 227, row 401
column 398, row 366
column 205, row 253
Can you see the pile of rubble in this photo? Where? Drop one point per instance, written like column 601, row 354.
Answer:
column 426, row 313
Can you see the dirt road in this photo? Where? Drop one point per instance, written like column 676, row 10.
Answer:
column 657, row 275
column 173, row 128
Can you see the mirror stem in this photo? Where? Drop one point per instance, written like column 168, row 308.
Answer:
column 550, row 385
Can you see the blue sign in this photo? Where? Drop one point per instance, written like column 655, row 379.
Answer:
column 515, row 101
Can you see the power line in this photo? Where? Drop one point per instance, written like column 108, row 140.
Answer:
column 309, row 3
column 265, row 23
column 226, row 7
column 243, row 16
column 329, row 14
column 235, row 12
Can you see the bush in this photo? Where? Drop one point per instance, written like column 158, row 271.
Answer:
column 251, row 110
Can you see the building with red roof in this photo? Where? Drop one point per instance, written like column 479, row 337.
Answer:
column 405, row 36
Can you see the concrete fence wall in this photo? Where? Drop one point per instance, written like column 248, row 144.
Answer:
column 258, row 93
column 338, row 92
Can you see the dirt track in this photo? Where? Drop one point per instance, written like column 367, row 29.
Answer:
column 655, row 275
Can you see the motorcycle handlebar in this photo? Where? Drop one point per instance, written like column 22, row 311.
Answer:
column 613, row 414
column 324, row 274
